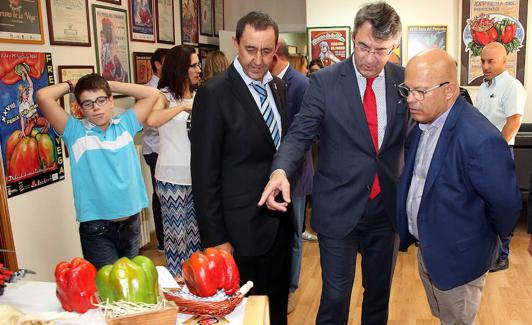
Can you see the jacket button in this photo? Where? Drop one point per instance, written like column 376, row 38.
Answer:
column 368, row 187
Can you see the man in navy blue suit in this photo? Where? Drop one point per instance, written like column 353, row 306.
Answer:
column 296, row 85
column 355, row 108
column 458, row 191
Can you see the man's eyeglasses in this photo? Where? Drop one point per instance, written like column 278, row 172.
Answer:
column 418, row 94
column 89, row 104
column 366, row 50
column 195, row 65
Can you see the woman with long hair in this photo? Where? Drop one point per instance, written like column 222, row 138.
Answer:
column 215, row 62
column 179, row 78
column 298, row 62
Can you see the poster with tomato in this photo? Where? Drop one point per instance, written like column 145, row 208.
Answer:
column 31, row 150
column 330, row 45
column 484, row 22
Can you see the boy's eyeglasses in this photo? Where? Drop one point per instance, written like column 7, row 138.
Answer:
column 89, row 104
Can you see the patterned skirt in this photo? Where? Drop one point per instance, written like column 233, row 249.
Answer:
column 180, row 224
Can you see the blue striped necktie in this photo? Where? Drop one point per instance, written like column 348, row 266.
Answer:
column 267, row 113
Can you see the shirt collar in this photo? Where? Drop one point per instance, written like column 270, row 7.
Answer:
column 501, row 75
column 267, row 77
column 360, row 76
column 437, row 122
column 89, row 125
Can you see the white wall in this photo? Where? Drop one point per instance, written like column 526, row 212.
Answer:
column 44, row 220
column 289, row 15
column 412, row 12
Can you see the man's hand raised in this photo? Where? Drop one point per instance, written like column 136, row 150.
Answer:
column 278, row 184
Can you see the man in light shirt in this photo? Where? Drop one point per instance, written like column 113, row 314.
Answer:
column 501, row 98
column 150, row 148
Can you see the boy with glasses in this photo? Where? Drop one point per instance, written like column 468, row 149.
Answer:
column 109, row 191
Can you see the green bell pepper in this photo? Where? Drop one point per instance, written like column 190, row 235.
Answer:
column 133, row 280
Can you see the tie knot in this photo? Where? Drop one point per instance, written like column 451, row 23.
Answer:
column 369, row 81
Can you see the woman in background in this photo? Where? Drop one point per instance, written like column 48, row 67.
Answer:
column 180, row 77
column 215, row 62
column 314, row 66
column 298, row 62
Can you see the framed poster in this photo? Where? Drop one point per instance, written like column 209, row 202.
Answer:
column 218, row 16
column 419, row 38
column 142, row 67
column 21, row 22
column 502, row 21
column 116, row 2
column 141, row 23
column 330, row 45
column 165, row 21
column 189, row 22
column 203, row 50
column 72, row 72
column 111, row 42
column 68, row 22
column 31, row 149
column 292, row 49
column 205, row 10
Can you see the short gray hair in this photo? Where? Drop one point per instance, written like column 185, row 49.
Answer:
column 383, row 18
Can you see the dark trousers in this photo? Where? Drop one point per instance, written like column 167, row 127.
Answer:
column 105, row 241
column 270, row 272
column 504, row 251
column 151, row 160
column 376, row 241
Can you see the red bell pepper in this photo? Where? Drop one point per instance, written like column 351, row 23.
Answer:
column 76, row 285
column 509, row 32
column 205, row 273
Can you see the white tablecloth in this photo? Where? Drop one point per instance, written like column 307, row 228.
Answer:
column 33, row 297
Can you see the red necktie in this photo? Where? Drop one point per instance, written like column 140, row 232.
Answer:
column 370, row 109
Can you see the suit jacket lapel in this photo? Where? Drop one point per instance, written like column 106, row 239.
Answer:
column 442, row 146
column 356, row 116
column 392, row 100
column 280, row 103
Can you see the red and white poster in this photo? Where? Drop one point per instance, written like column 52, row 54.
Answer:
column 330, row 45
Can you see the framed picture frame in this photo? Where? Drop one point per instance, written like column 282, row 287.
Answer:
column 21, row 22
column 142, row 67
column 165, row 21
column 218, row 8
column 424, row 37
column 474, row 13
column 330, row 45
column 292, row 49
column 203, row 50
column 68, row 24
column 141, row 20
column 115, row 2
column 189, row 22
column 74, row 73
column 111, row 42
column 206, row 19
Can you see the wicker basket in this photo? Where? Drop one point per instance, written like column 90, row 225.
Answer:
column 207, row 308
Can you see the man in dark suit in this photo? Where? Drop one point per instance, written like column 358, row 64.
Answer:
column 458, row 191
column 355, row 108
column 238, row 122
column 296, row 85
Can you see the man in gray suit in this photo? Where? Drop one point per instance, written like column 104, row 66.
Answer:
column 355, row 108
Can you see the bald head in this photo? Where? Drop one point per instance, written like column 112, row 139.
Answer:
column 493, row 60
column 432, row 80
column 433, row 64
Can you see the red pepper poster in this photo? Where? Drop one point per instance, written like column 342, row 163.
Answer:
column 484, row 22
column 330, row 45
column 31, row 150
